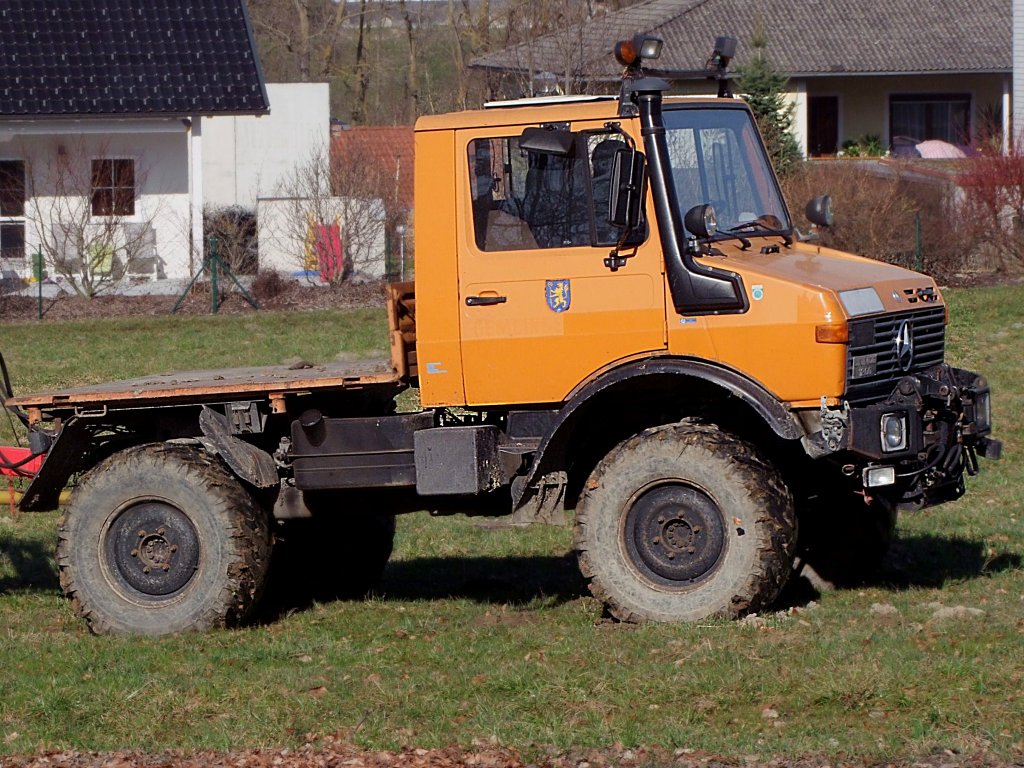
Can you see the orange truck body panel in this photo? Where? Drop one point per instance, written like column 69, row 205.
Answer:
column 438, row 344
column 526, row 351
column 792, row 293
column 535, row 348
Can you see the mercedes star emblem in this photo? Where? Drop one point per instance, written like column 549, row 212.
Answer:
column 905, row 345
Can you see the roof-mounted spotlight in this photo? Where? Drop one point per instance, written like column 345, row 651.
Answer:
column 632, row 53
column 650, row 47
column 725, row 50
column 638, row 77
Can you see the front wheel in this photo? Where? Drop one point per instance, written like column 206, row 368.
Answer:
column 682, row 522
column 161, row 539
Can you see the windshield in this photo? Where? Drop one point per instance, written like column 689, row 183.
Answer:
column 717, row 157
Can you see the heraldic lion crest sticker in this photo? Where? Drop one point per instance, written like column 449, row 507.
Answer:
column 558, row 295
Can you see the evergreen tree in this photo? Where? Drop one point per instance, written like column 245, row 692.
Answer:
column 764, row 89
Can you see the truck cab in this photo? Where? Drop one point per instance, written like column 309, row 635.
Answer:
column 529, row 293
column 598, row 268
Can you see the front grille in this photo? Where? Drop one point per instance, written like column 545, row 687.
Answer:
column 873, row 365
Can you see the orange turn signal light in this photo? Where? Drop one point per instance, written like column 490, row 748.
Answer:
column 626, row 53
column 832, row 333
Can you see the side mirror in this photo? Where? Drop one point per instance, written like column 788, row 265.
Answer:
column 629, row 179
column 819, row 210
column 548, row 141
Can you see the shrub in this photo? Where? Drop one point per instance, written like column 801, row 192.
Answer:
column 268, row 284
column 868, row 145
column 876, row 205
column 235, row 228
column 989, row 209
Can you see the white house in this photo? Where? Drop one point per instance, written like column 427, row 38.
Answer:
column 281, row 166
column 102, row 106
column 246, row 157
column 1018, row 68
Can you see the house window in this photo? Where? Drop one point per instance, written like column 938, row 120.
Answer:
column 12, row 209
column 113, row 187
column 942, row 116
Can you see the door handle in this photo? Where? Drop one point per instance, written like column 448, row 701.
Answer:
column 485, row 301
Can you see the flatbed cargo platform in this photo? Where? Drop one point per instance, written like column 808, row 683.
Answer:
column 219, row 385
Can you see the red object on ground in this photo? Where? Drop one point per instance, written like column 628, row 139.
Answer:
column 330, row 258
column 13, row 456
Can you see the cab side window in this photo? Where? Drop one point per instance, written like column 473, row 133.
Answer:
column 526, row 200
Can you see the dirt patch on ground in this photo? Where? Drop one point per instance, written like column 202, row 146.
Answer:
column 285, row 296
column 331, row 752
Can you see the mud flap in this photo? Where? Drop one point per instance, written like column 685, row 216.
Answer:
column 247, row 461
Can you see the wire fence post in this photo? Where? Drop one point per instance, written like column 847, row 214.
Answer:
column 214, row 268
column 37, row 265
column 918, row 253
column 214, row 264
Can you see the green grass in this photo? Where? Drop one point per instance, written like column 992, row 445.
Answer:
column 52, row 354
column 487, row 632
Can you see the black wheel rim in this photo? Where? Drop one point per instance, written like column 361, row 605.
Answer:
column 674, row 535
column 152, row 550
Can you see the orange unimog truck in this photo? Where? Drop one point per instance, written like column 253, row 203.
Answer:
column 613, row 317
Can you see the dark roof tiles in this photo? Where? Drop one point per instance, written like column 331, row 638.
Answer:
column 804, row 37
column 125, row 57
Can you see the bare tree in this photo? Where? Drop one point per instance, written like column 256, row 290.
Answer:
column 361, row 68
column 308, row 32
column 548, row 37
column 305, row 40
column 412, row 89
column 336, row 209
column 373, row 50
column 85, row 216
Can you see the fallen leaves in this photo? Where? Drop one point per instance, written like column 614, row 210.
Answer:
column 332, row 751
column 308, row 756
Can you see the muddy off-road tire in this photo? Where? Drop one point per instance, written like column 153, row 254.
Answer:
column 843, row 541
column 339, row 554
column 161, row 539
column 683, row 522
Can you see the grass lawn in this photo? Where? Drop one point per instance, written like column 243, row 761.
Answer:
column 482, row 632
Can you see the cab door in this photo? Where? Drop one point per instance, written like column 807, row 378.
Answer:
column 540, row 311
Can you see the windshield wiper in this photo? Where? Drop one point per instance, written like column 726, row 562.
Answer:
column 730, row 235
column 767, row 224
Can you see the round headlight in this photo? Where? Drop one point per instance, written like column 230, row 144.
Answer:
column 894, row 432
column 701, row 221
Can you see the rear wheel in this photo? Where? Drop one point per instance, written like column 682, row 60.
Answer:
column 161, row 539
column 682, row 522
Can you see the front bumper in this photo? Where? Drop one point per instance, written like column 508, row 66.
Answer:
column 920, row 442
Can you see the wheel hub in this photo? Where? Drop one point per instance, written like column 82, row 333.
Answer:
column 675, row 534
column 152, row 548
